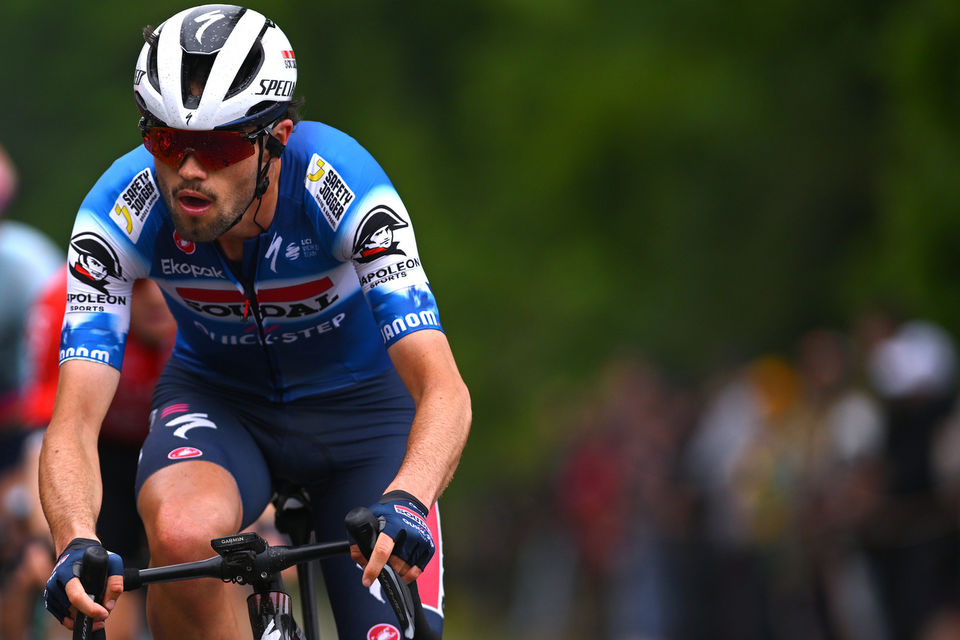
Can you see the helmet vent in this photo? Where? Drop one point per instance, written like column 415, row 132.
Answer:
column 247, row 71
column 152, row 74
column 195, row 70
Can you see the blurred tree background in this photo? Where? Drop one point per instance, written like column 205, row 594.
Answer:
column 696, row 181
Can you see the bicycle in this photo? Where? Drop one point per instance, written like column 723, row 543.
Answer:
column 247, row 559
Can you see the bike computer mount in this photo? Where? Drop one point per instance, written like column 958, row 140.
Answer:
column 240, row 554
column 239, row 543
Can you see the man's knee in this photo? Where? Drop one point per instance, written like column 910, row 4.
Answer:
column 184, row 506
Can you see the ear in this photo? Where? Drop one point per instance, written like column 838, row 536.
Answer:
column 282, row 130
column 277, row 139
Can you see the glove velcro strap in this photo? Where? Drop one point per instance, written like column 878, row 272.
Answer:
column 400, row 494
column 80, row 543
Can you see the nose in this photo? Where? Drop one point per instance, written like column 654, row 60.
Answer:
column 191, row 168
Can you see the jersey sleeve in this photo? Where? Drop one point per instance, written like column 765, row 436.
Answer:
column 378, row 238
column 103, row 262
column 362, row 220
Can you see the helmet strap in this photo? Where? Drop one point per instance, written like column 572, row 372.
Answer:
column 263, row 180
column 274, row 149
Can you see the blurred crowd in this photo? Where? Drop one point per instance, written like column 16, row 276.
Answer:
column 806, row 495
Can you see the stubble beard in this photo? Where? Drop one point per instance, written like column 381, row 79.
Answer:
column 221, row 216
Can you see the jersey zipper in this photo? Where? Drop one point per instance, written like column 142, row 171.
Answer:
column 252, row 307
column 249, row 290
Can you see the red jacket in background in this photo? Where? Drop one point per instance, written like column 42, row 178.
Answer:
column 127, row 420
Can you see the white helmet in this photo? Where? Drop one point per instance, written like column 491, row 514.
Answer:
column 241, row 63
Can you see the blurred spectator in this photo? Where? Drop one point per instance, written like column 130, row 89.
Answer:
column 152, row 331
column 646, row 582
column 917, row 361
column 545, row 602
column 616, row 512
column 914, row 540
column 27, row 259
column 843, row 485
column 747, row 460
column 728, row 598
column 731, row 418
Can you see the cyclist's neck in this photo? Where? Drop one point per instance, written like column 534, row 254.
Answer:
column 256, row 219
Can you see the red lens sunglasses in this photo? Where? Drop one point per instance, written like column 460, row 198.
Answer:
column 213, row 149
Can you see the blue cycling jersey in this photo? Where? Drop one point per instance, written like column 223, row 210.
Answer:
column 320, row 295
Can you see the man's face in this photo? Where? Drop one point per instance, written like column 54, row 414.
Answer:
column 204, row 203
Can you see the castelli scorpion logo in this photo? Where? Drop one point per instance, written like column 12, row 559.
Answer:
column 383, row 632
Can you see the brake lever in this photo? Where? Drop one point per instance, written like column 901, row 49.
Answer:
column 364, row 528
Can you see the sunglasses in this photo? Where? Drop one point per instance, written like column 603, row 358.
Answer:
column 213, row 149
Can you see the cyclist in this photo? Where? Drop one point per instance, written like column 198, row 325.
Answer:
column 152, row 331
column 308, row 348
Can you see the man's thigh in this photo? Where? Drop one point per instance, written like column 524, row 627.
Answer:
column 189, row 425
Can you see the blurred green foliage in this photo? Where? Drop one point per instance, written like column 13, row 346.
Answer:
column 697, row 181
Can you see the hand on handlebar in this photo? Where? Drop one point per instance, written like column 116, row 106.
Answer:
column 404, row 540
column 64, row 596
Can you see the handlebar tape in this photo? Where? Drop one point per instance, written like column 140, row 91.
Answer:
column 131, row 579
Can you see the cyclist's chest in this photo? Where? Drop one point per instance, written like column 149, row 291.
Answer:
column 286, row 273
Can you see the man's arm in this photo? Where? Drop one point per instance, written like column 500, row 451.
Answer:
column 70, row 486
column 438, row 434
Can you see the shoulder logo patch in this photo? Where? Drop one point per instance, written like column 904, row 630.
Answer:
column 94, row 262
column 374, row 238
column 332, row 194
column 134, row 203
